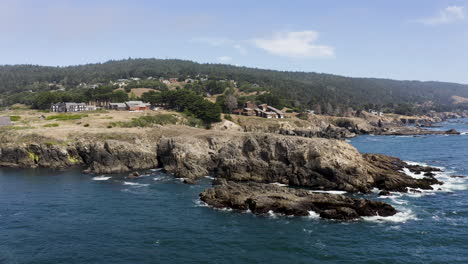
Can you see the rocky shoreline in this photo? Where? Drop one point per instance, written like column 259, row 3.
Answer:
column 260, row 198
column 245, row 165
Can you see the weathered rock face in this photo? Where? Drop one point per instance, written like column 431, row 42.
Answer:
column 387, row 174
column 261, row 198
column 318, row 163
column 106, row 157
column 38, row 155
column 117, row 156
column 311, row 162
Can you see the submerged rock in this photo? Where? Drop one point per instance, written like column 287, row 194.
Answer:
column 264, row 198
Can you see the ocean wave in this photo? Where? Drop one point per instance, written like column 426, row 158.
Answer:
column 412, row 174
column 400, row 217
column 135, row 184
column 101, row 178
column 209, row 177
column 279, row 184
column 313, row 215
column 332, row 191
column 158, row 169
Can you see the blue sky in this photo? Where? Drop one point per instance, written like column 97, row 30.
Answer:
column 399, row 39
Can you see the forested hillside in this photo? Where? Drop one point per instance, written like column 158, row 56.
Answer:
column 297, row 89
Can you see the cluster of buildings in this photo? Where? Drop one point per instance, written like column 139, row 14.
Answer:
column 263, row 110
column 377, row 113
column 66, row 107
column 130, row 106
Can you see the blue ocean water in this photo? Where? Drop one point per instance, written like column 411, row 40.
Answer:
column 68, row 217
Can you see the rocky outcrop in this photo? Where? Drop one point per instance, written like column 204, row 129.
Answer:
column 114, row 156
column 110, row 156
column 317, row 163
column 264, row 198
column 413, row 131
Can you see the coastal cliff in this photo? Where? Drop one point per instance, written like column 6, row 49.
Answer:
column 317, row 163
column 110, row 156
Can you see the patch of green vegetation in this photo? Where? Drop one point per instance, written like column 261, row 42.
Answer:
column 15, row 118
column 64, row 117
column 51, row 143
column 343, row 122
column 148, row 121
column 6, row 128
column 107, row 117
column 72, row 159
column 303, row 116
column 51, row 125
column 33, row 156
column 228, row 117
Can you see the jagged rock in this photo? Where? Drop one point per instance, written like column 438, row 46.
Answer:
column 384, row 193
column 262, row 198
column 189, row 181
column 133, row 175
column 114, row 156
column 102, row 157
column 310, row 162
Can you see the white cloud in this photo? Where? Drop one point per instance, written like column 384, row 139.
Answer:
column 224, row 59
column 448, row 15
column 295, row 45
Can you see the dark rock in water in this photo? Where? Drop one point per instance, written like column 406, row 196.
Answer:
column 133, row 175
column 457, row 176
column 389, row 177
column 189, row 181
column 429, row 174
column 262, row 198
column 384, row 193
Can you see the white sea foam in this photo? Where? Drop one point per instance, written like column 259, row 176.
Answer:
column 209, row 177
column 313, row 215
column 400, row 217
column 200, row 203
column 135, row 184
column 279, row 184
column 158, row 169
column 412, row 174
column 332, row 192
column 414, row 163
column 101, row 178
column 272, row 214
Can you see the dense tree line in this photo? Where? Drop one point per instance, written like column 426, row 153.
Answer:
column 296, row 89
column 187, row 101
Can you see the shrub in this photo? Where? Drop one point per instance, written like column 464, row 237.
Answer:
column 228, row 117
column 86, row 125
column 64, row 117
column 51, row 125
column 15, row 118
column 148, row 121
column 343, row 122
